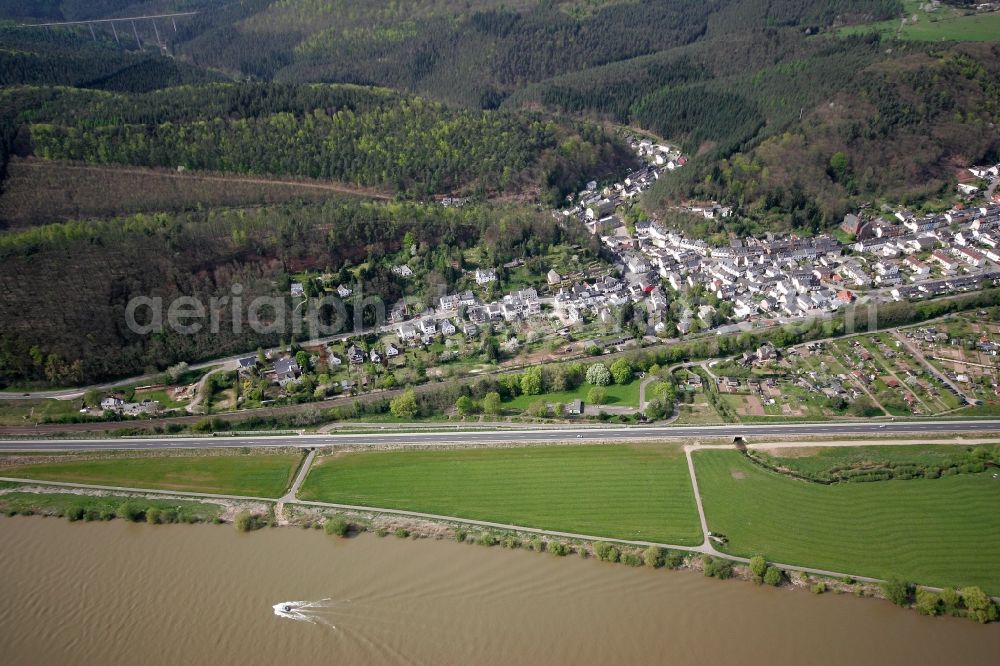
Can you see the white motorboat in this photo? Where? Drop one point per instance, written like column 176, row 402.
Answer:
column 305, row 611
column 285, row 609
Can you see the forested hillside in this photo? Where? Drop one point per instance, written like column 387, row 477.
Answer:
column 477, row 52
column 899, row 130
column 720, row 76
column 65, row 58
column 472, row 52
column 716, row 95
column 369, row 137
column 65, row 286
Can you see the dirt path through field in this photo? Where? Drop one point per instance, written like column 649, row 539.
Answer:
column 293, row 491
column 199, row 392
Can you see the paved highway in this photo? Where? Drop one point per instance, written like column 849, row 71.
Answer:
column 637, row 433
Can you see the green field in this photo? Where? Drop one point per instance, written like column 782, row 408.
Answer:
column 252, row 475
column 625, row 491
column 27, row 412
column 940, row 25
column 618, row 395
column 937, row 532
column 161, row 396
column 980, row 28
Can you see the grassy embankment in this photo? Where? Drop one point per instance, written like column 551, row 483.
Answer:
column 935, row 531
column 637, row 492
column 246, row 475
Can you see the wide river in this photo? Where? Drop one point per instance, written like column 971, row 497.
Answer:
column 120, row 593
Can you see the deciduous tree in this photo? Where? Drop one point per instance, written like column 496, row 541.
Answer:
column 404, row 406
column 491, row 403
column 621, row 370
column 598, row 375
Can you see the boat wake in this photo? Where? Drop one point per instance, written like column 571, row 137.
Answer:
column 306, row 611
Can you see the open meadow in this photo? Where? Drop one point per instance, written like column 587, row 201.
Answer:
column 940, row 24
column 40, row 410
column 627, row 491
column 942, row 532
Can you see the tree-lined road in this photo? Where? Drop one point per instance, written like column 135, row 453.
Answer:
column 551, row 435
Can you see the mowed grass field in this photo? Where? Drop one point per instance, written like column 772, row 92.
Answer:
column 943, row 532
column 251, row 475
column 637, row 492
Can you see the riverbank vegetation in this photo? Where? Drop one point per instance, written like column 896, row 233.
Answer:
column 337, row 525
column 74, row 507
column 249, row 521
column 244, row 475
column 971, row 602
column 624, row 491
column 936, row 531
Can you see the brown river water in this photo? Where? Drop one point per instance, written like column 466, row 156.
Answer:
column 120, row 593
